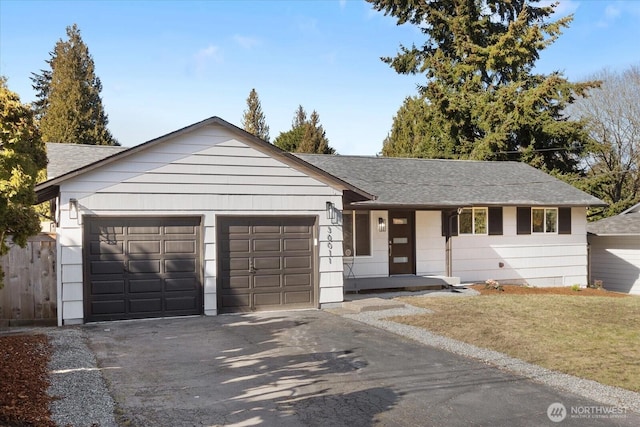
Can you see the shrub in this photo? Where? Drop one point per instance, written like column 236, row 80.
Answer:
column 493, row 284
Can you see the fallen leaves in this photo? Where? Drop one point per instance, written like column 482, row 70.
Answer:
column 24, row 381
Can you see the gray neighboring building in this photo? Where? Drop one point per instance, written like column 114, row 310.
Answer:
column 615, row 251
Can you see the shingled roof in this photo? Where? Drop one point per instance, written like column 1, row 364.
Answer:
column 625, row 224
column 65, row 158
column 433, row 183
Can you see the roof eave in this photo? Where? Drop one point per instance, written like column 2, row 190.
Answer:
column 256, row 142
column 430, row 206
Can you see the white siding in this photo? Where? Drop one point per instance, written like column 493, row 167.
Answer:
column 203, row 173
column 430, row 244
column 536, row 259
column 616, row 261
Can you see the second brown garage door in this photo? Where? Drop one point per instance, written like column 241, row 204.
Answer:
column 265, row 263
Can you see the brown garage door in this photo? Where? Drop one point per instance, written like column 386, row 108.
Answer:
column 265, row 263
column 141, row 267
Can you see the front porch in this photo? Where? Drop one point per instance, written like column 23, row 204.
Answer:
column 398, row 283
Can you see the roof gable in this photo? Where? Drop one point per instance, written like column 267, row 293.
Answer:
column 99, row 158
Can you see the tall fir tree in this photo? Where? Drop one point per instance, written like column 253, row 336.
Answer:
column 480, row 90
column 69, row 106
column 22, row 155
column 416, row 132
column 253, row 120
column 305, row 135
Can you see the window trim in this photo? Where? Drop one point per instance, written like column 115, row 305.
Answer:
column 354, row 237
column 544, row 209
column 473, row 222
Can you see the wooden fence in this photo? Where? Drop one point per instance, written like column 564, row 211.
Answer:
column 28, row 296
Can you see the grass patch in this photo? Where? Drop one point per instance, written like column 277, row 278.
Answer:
column 594, row 337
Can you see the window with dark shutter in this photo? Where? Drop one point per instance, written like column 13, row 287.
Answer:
column 524, row 220
column 495, row 221
column 564, row 220
column 363, row 234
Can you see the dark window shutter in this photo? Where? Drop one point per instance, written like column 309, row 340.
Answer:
column 363, row 233
column 495, row 221
column 524, row 220
column 564, row 220
column 445, row 223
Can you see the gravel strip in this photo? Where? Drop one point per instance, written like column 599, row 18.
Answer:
column 608, row 395
column 80, row 395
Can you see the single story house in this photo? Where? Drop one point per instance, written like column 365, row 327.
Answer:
column 210, row 219
column 615, row 251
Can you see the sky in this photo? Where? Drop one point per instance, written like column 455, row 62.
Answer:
column 165, row 65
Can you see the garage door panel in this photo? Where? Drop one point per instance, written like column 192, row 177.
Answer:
column 112, row 307
column 106, row 230
column 154, row 230
column 179, row 266
column 180, row 303
column 144, row 266
column 107, row 267
column 267, row 263
column 270, row 281
column 107, row 287
column 297, row 262
column 145, row 285
column 265, row 229
column 235, row 301
column 142, row 247
column 106, row 248
column 180, row 229
column 145, row 305
column 185, row 284
column 187, row 247
column 235, row 264
column 297, row 280
column 297, row 245
column 301, row 297
column 162, row 277
column 235, row 282
column 237, row 246
column 303, row 229
column 267, row 245
column 267, row 298
column 237, row 229
column 281, row 252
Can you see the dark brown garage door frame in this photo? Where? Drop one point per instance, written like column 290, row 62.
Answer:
column 266, row 263
column 142, row 266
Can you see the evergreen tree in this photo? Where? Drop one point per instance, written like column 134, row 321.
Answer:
column 305, row 135
column 481, row 92
column 415, row 132
column 254, row 120
column 22, row 155
column 69, row 106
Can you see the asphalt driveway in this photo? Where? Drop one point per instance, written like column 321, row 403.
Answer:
column 307, row 368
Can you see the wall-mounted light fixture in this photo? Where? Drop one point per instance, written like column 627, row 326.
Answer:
column 331, row 211
column 73, row 208
column 382, row 225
